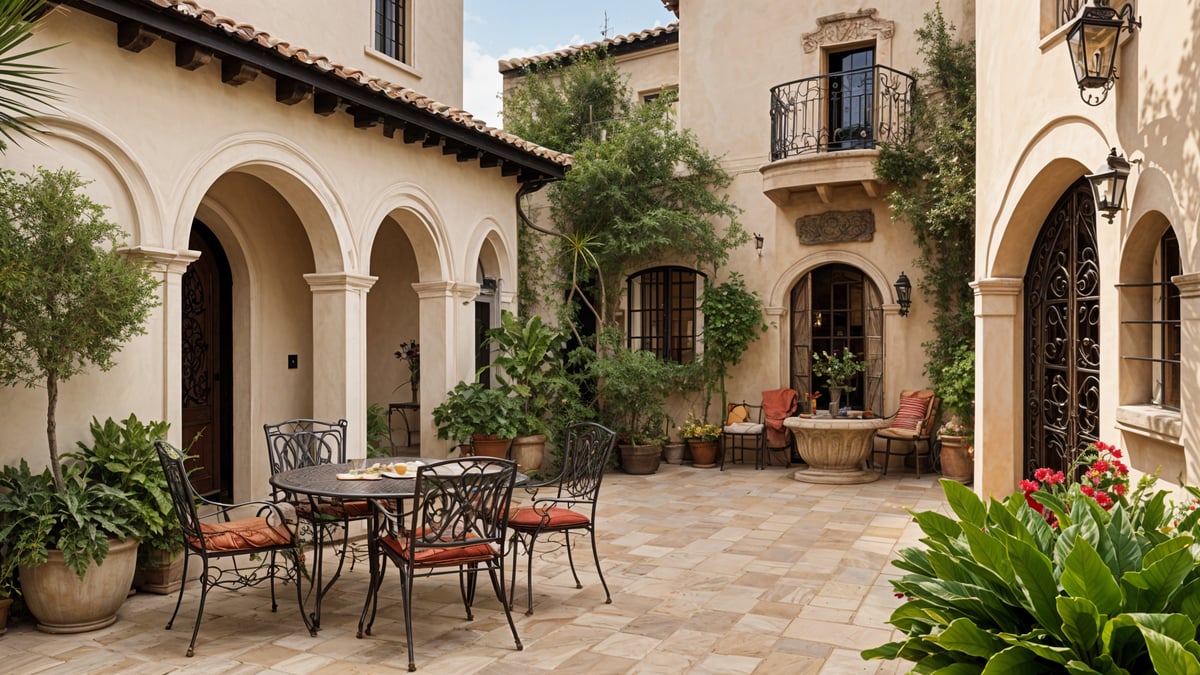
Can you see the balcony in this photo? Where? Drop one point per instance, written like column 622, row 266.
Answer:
column 825, row 129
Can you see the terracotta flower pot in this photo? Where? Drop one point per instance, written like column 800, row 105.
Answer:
column 640, row 459
column 63, row 603
column 704, row 453
column 490, row 446
column 529, row 452
column 957, row 464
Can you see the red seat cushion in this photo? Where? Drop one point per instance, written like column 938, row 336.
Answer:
column 339, row 509
column 246, row 534
column 442, row 557
column 531, row 518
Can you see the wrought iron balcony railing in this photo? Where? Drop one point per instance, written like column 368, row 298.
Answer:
column 848, row 110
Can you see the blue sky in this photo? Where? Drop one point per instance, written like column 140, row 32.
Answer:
column 503, row 29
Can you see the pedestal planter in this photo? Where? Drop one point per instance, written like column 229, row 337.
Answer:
column 704, row 454
column 529, row 452
column 957, row 463
column 63, row 603
column 640, row 459
column 835, row 450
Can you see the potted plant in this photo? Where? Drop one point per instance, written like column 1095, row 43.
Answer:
column 487, row 418
column 732, row 320
column 70, row 299
column 956, row 437
column 530, row 364
column 701, row 438
column 837, row 371
column 122, row 456
column 635, row 384
column 410, row 354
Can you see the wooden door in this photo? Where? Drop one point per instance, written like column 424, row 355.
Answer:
column 207, row 423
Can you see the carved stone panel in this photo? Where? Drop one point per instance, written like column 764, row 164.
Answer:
column 848, row 27
column 836, row 226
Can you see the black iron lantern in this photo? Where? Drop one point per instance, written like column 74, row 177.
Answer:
column 758, row 243
column 1092, row 41
column 1108, row 184
column 903, row 293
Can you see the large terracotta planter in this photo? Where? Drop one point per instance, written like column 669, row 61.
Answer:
column 529, row 452
column 640, row 459
column 704, row 454
column 63, row 603
column 159, row 572
column 490, row 446
column 957, row 463
column 5, row 605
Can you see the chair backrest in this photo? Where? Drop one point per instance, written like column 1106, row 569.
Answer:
column 183, row 496
column 917, row 411
column 931, row 420
column 779, row 404
column 460, row 499
column 303, row 442
column 748, row 413
column 585, row 456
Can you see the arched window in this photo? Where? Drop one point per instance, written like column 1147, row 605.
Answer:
column 835, row 308
column 663, row 312
column 1153, row 315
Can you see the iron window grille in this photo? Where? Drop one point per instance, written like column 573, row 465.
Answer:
column 391, row 28
column 1165, row 324
column 663, row 312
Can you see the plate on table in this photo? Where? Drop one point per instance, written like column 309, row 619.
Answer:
column 359, row 476
column 402, row 470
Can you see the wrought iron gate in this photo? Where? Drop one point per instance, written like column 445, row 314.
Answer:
column 1062, row 334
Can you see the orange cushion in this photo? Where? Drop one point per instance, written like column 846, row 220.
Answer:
column 913, row 409
column 531, row 518
column 438, row 557
column 244, row 535
column 737, row 415
column 358, row 508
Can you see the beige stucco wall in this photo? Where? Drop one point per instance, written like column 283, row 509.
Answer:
column 344, row 31
column 309, row 210
column 1037, row 137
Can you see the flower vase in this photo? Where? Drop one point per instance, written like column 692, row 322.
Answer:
column 835, row 401
column 416, row 391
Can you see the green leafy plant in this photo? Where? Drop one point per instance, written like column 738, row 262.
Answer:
column 635, row 386
column 122, row 456
column 1056, row 578
column 837, row 369
column 378, row 444
column 471, row 409
column 24, row 86
column 531, row 365
column 957, row 391
column 732, row 320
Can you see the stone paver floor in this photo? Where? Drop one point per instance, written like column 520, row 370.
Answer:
column 739, row 571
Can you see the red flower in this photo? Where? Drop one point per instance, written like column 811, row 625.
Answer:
column 1119, row 489
column 1028, row 486
column 1042, row 473
column 1087, row 490
column 1100, row 465
column 1104, row 500
column 1056, row 478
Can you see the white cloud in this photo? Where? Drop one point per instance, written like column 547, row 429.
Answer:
column 482, row 82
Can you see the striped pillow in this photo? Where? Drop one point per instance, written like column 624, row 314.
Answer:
column 911, row 413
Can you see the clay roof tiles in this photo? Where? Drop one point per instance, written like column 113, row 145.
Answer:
column 567, row 52
column 250, row 34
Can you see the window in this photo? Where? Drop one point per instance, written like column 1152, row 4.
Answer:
column 1154, row 316
column 391, row 28
column 837, row 308
column 663, row 305
column 851, row 99
column 651, row 96
column 1170, row 333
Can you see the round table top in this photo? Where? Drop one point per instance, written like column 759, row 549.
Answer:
column 838, row 423
column 321, row 481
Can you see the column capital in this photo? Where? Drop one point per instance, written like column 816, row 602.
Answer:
column 1188, row 284
column 774, row 310
column 997, row 296
column 337, row 282
column 997, row 286
column 166, row 260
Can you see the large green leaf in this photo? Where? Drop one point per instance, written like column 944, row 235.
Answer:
column 965, row 503
column 964, row 636
column 937, row 526
column 1085, row 575
column 990, row 553
column 1081, row 625
column 1014, row 661
column 1127, row 554
column 1168, row 655
column 1036, row 576
column 1164, row 570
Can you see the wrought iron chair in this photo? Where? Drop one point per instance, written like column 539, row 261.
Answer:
column 457, row 525
column 259, row 537
column 577, row 486
column 767, row 433
column 915, row 421
column 305, row 442
column 744, row 430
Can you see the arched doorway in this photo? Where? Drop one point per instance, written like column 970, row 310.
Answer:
column 207, row 358
column 1062, row 334
column 835, row 308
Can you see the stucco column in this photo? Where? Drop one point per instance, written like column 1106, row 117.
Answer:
column 447, row 319
column 169, row 266
column 340, row 352
column 1189, row 356
column 776, row 339
column 999, row 415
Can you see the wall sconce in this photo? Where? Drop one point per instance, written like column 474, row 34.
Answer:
column 1092, row 41
column 903, row 293
column 817, row 321
column 758, row 243
column 1108, row 184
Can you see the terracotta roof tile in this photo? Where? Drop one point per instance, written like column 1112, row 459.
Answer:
column 248, row 33
column 672, row 5
column 629, row 38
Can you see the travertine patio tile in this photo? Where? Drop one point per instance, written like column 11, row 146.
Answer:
column 723, row 664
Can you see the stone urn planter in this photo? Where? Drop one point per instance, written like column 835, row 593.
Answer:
column 640, row 459
column 672, row 453
column 957, row 462
column 529, row 452
column 704, row 453
column 835, row 449
column 63, row 603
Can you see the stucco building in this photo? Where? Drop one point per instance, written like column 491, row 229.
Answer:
column 794, row 98
column 310, row 194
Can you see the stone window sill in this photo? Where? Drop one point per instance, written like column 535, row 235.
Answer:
column 1151, row 421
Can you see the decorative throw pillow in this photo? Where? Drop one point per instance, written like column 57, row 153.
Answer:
column 912, row 413
column 737, row 414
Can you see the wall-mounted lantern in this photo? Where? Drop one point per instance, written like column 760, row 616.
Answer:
column 1092, row 41
column 1108, row 184
column 903, row 293
column 758, row 243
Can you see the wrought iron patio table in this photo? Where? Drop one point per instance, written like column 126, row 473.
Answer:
column 321, row 481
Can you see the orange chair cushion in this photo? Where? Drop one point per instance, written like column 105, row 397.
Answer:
column 338, row 509
column 439, row 557
column 531, row 518
column 914, row 406
column 246, row 534
column 737, row 415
